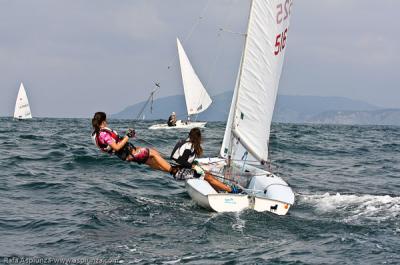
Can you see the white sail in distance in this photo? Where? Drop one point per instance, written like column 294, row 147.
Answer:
column 249, row 123
column 22, row 108
column 196, row 96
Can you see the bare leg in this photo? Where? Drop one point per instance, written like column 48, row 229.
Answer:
column 155, row 152
column 216, row 184
column 157, row 162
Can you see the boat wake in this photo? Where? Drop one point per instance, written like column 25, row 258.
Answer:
column 355, row 208
column 239, row 223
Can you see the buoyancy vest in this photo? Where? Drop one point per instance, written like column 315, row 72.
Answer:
column 171, row 121
column 105, row 147
column 183, row 153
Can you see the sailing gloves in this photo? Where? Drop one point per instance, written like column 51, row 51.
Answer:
column 198, row 170
column 130, row 133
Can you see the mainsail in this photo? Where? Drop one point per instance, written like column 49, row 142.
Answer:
column 22, row 109
column 249, row 123
column 196, row 96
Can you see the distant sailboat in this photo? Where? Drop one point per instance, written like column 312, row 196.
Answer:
column 150, row 99
column 22, row 109
column 246, row 138
column 196, row 96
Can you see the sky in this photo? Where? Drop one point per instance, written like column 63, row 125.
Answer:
column 79, row 57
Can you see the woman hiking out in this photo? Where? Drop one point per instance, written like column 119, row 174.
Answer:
column 185, row 152
column 107, row 140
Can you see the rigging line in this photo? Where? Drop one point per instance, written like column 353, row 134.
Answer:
column 142, row 110
column 245, row 174
column 190, row 33
column 224, row 178
column 249, row 191
column 249, row 174
column 236, row 160
column 174, row 60
column 197, row 22
column 269, row 150
column 237, row 87
column 238, row 184
column 152, row 145
column 149, row 99
column 233, row 32
column 220, row 44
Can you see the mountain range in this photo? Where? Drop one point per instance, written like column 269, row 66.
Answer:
column 288, row 109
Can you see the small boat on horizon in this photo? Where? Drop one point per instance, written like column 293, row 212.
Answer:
column 22, row 109
column 196, row 96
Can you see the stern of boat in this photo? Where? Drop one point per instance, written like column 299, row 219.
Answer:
column 265, row 191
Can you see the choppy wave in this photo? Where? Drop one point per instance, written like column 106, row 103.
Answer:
column 60, row 197
column 355, row 208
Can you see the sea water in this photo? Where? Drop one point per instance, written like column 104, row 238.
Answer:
column 62, row 200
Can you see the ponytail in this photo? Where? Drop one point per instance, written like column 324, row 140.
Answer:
column 98, row 118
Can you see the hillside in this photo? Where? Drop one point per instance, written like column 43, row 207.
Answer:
column 290, row 109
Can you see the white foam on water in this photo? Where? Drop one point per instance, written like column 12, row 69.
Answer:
column 352, row 208
column 172, row 261
column 213, row 215
column 151, row 201
column 239, row 224
column 187, row 204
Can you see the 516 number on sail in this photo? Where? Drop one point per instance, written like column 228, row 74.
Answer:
column 283, row 11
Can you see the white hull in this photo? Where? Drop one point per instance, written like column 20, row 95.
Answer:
column 248, row 127
column 179, row 125
column 265, row 191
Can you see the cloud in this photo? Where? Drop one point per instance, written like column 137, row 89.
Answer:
column 129, row 21
column 71, row 50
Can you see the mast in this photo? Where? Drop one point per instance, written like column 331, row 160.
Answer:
column 234, row 102
column 249, row 123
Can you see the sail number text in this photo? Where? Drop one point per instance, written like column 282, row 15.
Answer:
column 283, row 11
column 280, row 42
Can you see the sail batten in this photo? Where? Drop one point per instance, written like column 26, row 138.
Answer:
column 250, row 117
column 196, row 96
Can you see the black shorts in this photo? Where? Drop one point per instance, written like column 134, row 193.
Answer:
column 186, row 173
column 125, row 151
column 140, row 157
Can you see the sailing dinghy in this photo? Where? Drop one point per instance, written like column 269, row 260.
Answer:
column 244, row 151
column 196, row 96
column 22, row 110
